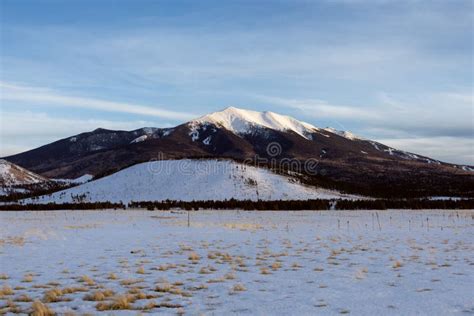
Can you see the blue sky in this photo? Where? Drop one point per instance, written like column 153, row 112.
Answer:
column 400, row 72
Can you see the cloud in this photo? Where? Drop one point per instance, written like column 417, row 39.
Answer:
column 452, row 149
column 429, row 114
column 321, row 108
column 43, row 96
column 438, row 125
column 26, row 130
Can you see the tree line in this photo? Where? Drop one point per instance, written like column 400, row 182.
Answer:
column 291, row 205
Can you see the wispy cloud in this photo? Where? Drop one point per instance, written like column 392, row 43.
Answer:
column 432, row 114
column 452, row 149
column 26, row 130
column 44, row 96
column 321, row 108
column 439, row 125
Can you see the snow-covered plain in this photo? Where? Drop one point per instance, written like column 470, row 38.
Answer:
column 188, row 180
column 236, row 262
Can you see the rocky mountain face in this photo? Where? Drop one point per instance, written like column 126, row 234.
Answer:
column 338, row 159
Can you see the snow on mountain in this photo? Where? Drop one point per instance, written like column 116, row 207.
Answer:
column 240, row 121
column 82, row 179
column 344, row 134
column 139, row 139
column 11, row 174
column 189, row 180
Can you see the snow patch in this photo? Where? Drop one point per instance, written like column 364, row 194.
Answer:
column 345, row 134
column 207, row 141
column 139, row 139
column 82, row 179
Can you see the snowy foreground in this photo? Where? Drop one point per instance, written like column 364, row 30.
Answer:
column 264, row 263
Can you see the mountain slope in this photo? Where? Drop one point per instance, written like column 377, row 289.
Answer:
column 11, row 175
column 344, row 161
column 189, row 180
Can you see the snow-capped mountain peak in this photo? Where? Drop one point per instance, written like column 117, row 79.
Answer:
column 240, row 121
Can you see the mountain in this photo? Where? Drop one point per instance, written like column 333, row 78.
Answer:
column 189, row 180
column 12, row 175
column 340, row 159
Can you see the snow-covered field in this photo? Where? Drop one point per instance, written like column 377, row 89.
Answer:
column 224, row 262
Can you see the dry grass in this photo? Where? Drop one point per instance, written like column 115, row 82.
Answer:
column 239, row 287
column 166, row 267
column 397, row 264
column 4, row 276
column 10, row 307
column 128, row 282
column 165, row 304
column 54, row 295
column 15, row 240
column 296, row 266
column 27, row 278
column 81, row 226
column 194, row 257
column 87, row 280
column 138, row 294
column 264, row 270
column 165, row 287
column 229, row 276
column 141, row 270
column 74, row 289
column 40, row 309
column 275, row 266
column 99, row 295
column 5, row 291
column 205, row 270
column 112, row 276
column 211, row 255
column 53, row 283
column 184, row 247
column 119, row 303
column 242, row 226
column 218, row 280
column 23, row 298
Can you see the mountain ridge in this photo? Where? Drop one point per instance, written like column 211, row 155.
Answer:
column 343, row 159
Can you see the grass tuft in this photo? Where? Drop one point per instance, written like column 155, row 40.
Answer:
column 6, row 290
column 40, row 309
